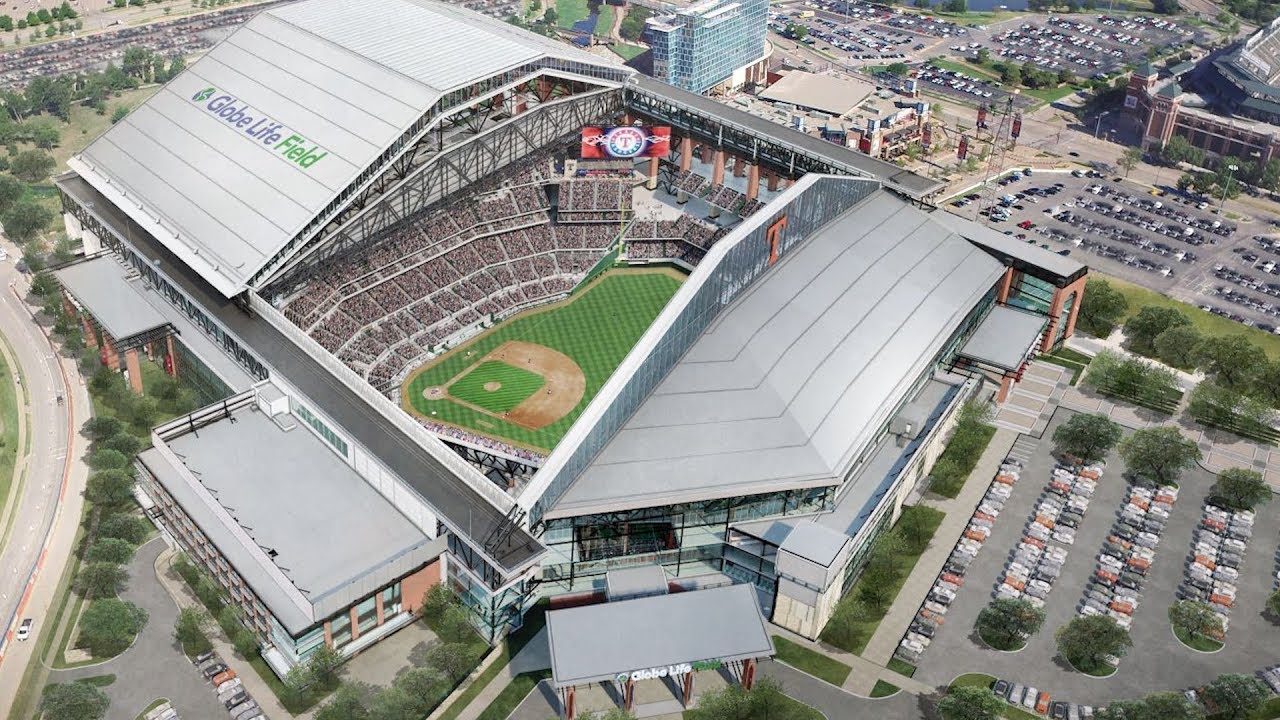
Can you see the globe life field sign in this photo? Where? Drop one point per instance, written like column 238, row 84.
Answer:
column 270, row 133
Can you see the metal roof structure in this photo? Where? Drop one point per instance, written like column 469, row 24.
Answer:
column 97, row 284
column 794, row 378
column 238, row 154
column 830, row 94
column 260, row 506
column 815, row 543
column 1063, row 268
column 599, row 642
column 634, row 582
column 464, row 509
column 1004, row 337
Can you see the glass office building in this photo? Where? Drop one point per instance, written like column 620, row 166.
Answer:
column 699, row 46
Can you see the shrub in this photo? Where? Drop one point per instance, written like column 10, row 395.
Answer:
column 109, row 625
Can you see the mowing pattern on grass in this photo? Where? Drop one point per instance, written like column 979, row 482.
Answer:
column 496, row 386
column 595, row 328
column 812, row 662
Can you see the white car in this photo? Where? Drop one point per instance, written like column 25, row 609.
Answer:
column 24, row 630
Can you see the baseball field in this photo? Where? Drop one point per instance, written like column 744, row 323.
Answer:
column 528, row 378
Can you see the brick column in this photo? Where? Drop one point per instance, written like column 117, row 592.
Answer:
column 355, row 627
column 653, row 174
column 109, row 356
column 172, row 354
column 1055, row 312
column 629, row 695
column 748, row 674
column 686, row 686
column 717, row 168
column 328, row 635
column 686, row 153
column 705, row 153
column 1006, row 282
column 90, row 335
column 570, row 704
column 377, row 603
column 1006, row 385
column 753, row 181
column 135, row 370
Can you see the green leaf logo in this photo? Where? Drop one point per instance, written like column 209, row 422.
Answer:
column 203, row 94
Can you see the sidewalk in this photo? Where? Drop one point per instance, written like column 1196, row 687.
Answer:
column 183, row 598
column 881, row 647
column 533, row 656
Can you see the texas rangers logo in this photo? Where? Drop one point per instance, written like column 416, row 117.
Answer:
column 625, row 142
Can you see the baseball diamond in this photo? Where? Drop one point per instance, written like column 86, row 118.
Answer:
column 571, row 347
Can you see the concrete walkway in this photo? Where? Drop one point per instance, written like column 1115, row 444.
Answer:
column 534, row 656
column 881, row 647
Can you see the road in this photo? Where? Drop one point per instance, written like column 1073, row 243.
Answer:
column 48, row 508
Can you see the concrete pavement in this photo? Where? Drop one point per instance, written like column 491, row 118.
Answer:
column 48, row 512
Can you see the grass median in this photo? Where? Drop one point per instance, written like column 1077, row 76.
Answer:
column 811, row 661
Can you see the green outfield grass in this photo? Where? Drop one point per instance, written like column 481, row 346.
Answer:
column 596, row 328
column 516, row 384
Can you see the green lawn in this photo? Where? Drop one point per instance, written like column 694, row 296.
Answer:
column 596, row 328
column 884, row 689
column 1206, row 322
column 1050, row 95
column 8, row 432
column 570, row 12
column 534, row 621
column 1196, row 642
column 98, row 680
column 788, row 709
column 902, row 667
column 512, row 385
column 1070, row 359
column 854, row 622
column 968, row 68
column 512, row 695
column 154, row 704
column 604, row 23
column 810, row 661
column 627, row 52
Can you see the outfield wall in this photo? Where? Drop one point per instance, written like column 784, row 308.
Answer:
column 731, row 266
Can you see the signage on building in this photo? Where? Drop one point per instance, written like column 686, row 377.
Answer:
column 271, row 133
column 677, row 670
column 627, row 141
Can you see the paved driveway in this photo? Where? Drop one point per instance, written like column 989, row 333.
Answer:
column 1157, row 661
column 154, row 666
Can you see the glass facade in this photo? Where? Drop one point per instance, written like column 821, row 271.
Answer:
column 819, row 200
column 687, row 539
column 700, row 46
column 1031, row 293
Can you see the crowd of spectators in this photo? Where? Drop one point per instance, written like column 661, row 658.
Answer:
column 482, row 441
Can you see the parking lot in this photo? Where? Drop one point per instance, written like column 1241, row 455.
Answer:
column 1086, row 45
column 1158, row 661
column 860, row 32
column 1172, row 243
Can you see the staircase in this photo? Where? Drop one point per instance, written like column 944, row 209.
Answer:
column 1034, row 398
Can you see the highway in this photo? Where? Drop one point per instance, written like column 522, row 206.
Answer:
column 48, row 501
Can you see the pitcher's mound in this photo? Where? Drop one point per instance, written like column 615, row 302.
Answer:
column 435, row 392
column 492, row 386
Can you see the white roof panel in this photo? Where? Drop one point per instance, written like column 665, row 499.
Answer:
column 207, row 160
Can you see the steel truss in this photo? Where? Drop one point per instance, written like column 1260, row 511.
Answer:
column 509, row 469
column 438, row 173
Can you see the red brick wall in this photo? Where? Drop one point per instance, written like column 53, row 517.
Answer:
column 413, row 588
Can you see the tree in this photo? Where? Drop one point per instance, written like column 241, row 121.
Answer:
column 971, row 703
column 1130, row 159
column 123, row 442
column 1196, row 618
column 1006, row 623
column 1235, row 696
column 1240, row 489
column 101, row 427
column 25, row 219
column 730, row 702
column 796, row 31
column 119, row 113
column 455, row 625
column 958, row 7
column 453, row 659
column 324, row 664
column 1157, row 706
column 876, row 587
column 1143, row 328
column 1088, row 437
column 108, row 459
column 345, row 704
column 1101, row 309
column 1087, row 640
column 45, row 134
column 73, row 701
column 110, row 550
column 191, row 629
column 32, row 165
column 1179, row 347
column 109, row 625
column 425, row 685
column 1232, row 360
column 1011, row 74
column 296, row 683
column 984, row 56
column 1158, row 454
column 100, row 579
column 11, row 189
column 897, row 69
column 550, row 17
column 1273, row 603
column 44, row 284
column 916, row 530
column 110, row 488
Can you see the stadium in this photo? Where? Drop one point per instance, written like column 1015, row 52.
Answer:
column 482, row 309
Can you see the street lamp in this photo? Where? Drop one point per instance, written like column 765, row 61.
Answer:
column 1226, row 187
column 1097, row 128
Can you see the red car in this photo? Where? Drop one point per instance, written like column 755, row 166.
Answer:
column 1026, row 224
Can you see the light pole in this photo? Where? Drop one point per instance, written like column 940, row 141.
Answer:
column 1098, row 127
column 1226, row 187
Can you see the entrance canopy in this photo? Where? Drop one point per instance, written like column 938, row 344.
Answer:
column 1005, row 337
column 100, row 286
column 656, row 636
